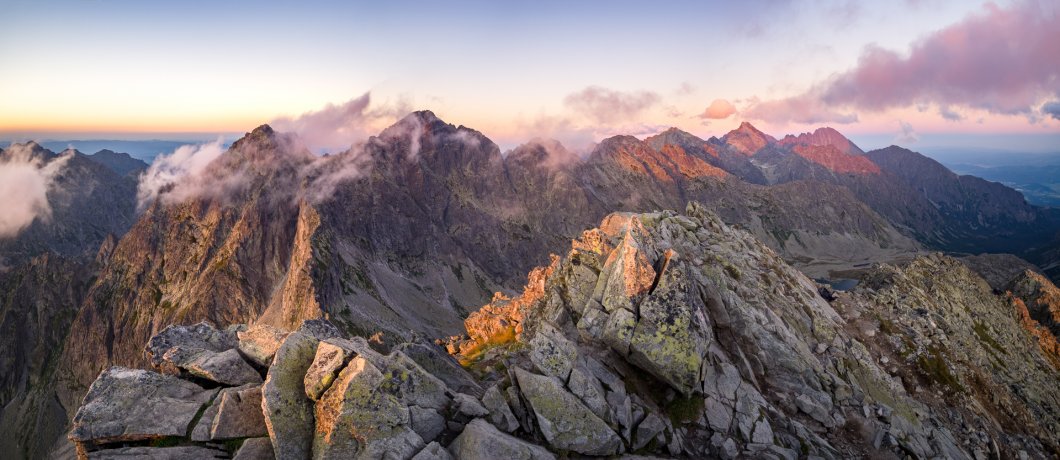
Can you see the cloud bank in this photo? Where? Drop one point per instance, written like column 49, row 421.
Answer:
column 1003, row 61
column 24, row 183
column 603, row 105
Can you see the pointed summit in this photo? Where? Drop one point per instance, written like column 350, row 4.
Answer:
column 747, row 139
column 822, row 137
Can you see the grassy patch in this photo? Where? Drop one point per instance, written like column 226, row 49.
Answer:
column 683, row 410
column 933, row 365
column 504, row 337
column 985, row 337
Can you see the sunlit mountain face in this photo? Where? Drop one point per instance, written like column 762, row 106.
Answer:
column 468, row 231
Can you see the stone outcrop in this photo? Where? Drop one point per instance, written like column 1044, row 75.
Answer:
column 656, row 334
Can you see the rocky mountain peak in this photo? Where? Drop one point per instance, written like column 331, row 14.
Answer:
column 822, row 137
column 747, row 139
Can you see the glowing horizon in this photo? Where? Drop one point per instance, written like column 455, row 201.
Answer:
column 572, row 72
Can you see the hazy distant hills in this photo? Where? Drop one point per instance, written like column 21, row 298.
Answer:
column 405, row 235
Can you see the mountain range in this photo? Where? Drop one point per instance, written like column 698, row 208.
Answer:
column 402, row 238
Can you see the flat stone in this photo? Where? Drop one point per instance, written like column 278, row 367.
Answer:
column 133, row 405
column 288, row 411
column 239, row 414
column 482, row 441
column 564, row 421
column 648, row 428
column 255, row 449
column 260, row 342
column 426, row 422
column 500, row 414
column 191, row 339
column 226, row 367
column 468, row 407
column 433, row 451
column 814, row 409
column 202, row 351
column 158, row 453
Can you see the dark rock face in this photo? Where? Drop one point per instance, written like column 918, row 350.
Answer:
column 121, row 163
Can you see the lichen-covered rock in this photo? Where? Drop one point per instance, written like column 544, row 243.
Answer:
column 482, row 441
column 134, row 405
column 329, row 359
column 357, row 416
column 260, row 342
column 669, row 340
column 288, row 411
column 551, row 352
column 500, row 414
column 158, row 453
column 563, row 420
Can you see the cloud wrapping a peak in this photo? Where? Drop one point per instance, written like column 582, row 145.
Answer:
column 179, row 175
column 336, row 127
column 24, row 183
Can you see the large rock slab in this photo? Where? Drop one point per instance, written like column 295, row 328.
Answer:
column 260, row 342
column 564, row 421
column 134, row 405
column 669, row 340
column 239, row 414
column 500, row 414
column 203, row 351
column 226, row 367
column 202, row 336
column 482, row 441
column 433, row 451
column 158, row 453
column 288, row 411
column 358, row 417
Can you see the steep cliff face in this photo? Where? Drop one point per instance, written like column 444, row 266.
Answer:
column 38, row 301
column 218, row 259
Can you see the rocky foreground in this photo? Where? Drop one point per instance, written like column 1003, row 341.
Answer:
column 656, row 335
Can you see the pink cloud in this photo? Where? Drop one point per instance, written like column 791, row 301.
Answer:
column 719, row 109
column 1003, row 60
column 806, row 109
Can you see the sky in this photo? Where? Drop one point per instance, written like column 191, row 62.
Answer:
column 913, row 72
